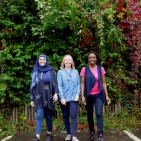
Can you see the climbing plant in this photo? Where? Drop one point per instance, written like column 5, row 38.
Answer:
column 54, row 27
column 129, row 20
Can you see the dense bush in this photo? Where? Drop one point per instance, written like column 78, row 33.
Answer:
column 56, row 28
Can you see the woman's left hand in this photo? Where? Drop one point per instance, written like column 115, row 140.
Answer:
column 55, row 97
column 76, row 98
column 108, row 100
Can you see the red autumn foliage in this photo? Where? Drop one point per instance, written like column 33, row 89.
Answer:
column 131, row 27
column 32, row 122
column 86, row 40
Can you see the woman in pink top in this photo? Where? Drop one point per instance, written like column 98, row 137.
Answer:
column 94, row 93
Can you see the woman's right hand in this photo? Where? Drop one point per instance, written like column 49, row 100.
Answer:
column 63, row 102
column 32, row 103
column 83, row 100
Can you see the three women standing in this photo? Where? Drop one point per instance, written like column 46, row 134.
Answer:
column 44, row 89
column 69, row 90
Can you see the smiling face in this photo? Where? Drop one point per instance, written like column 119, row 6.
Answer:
column 92, row 59
column 68, row 61
column 42, row 61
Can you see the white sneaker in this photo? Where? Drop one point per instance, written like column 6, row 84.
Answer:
column 38, row 136
column 68, row 137
column 74, row 139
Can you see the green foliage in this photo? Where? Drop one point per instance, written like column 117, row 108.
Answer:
column 123, row 121
column 58, row 124
column 17, row 60
column 59, row 14
column 56, row 28
column 7, row 130
column 82, row 120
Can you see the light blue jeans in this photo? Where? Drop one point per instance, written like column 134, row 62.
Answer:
column 40, row 114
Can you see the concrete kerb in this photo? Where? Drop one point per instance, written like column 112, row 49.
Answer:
column 7, row 138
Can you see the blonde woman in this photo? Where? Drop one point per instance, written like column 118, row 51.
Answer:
column 69, row 90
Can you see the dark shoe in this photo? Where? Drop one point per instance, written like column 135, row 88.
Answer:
column 36, row 139
column 100, row 138
column 92, row 136
column 48, row 138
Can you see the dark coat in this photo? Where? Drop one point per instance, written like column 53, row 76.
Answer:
column 42, row 93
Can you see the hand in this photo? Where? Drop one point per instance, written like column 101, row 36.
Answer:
column 83, row 100
column 55, row 97
column 108, row 100
column 63, row 102
column 32, row 103
column 76, row 98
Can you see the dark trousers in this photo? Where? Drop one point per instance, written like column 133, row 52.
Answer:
column 95, row 101
column 69, row 112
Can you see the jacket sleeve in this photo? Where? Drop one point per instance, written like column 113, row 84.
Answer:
column 32, row 85
column 31, row 95
column 55, row 83
column 60, row 84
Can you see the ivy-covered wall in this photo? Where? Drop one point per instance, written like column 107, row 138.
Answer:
column 56, row 28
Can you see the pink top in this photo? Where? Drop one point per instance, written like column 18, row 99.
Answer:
column 95, row 89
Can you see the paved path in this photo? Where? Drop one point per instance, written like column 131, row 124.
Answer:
column 115, row 135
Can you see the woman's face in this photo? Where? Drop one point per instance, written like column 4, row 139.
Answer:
column 92, row 59
column 67, row 61
column 42, row 61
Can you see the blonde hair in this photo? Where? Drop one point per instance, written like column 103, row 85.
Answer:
column 63, row 65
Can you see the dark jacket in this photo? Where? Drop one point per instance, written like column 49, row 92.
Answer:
column 42, row 93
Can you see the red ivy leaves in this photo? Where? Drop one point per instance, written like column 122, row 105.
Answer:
column 131, row 27
column 86, row 40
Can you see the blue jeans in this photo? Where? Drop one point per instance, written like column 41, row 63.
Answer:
column 40, row 114
column 95, row 100
column 70, row 111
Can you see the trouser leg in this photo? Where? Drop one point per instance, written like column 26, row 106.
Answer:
column 99, row 117
column 48, row 115
column 73, row 116
column 65, row 112
column 39, row 120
